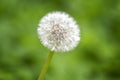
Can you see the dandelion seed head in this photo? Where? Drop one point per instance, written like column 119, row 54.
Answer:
column 58, row 31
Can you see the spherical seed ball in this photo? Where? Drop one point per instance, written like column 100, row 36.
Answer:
column 58, row 31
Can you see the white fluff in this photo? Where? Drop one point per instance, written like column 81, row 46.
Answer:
column 58, row 31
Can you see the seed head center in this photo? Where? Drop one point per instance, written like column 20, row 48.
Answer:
column 58, row 32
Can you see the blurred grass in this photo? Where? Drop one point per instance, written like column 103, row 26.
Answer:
column 97, row 56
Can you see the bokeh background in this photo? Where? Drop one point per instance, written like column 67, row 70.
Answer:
column 97, row 56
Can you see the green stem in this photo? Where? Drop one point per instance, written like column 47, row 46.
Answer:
column 44, row 70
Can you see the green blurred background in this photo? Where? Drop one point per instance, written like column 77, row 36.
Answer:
column 97, row 56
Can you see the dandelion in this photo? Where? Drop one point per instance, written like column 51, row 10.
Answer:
column 59, row 32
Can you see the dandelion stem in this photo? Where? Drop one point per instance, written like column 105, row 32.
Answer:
column 44, row 70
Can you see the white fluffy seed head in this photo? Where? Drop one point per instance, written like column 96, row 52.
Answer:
column 59, row 32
